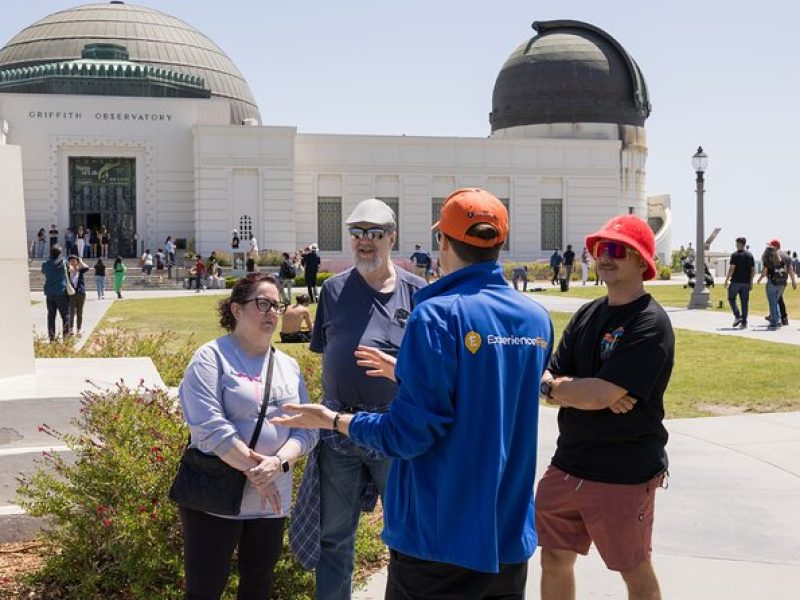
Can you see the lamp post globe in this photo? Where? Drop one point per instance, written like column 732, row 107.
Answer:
column 700, row 296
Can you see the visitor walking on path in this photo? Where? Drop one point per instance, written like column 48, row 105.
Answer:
column 77, row 269
column 555, row 264
column 287, row 272
column 459, row 406
column 777, row 271
column 585, row 258
column 608, row 376
column 39, row 245
column 740, row 275
column 119, row 275
column 310, row 262
column 100, row 279
column 55, row 292
column 569, row 263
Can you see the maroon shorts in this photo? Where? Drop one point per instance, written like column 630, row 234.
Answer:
column 571, row 513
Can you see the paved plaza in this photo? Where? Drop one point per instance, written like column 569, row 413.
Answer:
column 726, row 527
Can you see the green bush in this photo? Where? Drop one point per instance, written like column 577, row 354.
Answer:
column 269, row 258
column 112, row 532
column 665, row 273
column 300, row 280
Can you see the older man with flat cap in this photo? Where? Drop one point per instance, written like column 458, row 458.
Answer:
column 368, row 305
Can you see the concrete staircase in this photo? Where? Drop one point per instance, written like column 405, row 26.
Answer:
column 133, row 278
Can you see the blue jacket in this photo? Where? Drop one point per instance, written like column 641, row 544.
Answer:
column 55, row 277
column 464, row 423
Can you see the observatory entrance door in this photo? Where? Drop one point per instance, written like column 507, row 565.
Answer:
column 102, row 192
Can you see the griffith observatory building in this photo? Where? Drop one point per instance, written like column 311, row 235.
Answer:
column 133, row 119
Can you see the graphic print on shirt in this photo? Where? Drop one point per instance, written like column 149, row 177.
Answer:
column 609, row 342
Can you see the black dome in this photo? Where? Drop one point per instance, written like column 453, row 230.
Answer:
column 571, row 72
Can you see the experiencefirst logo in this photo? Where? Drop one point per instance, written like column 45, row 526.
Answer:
column 473, row 341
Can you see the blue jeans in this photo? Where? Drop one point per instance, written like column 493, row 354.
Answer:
column 774, row 294
column 742, row 290
column 100, row 283
column 341, row 479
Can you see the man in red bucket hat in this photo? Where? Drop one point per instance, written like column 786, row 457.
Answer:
column 608, row 376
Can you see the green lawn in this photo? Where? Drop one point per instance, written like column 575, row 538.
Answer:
column 676, row 295
column 714, row 374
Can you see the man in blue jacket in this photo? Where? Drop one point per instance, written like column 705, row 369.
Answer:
column 55, row 291
column 458, row 510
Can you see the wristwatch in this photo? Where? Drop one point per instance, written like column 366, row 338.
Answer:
column 546, row 388
column 285, row 466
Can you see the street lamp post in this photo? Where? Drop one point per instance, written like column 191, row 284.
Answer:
column 700, row 295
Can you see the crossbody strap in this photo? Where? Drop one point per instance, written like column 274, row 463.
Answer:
column 265, row 401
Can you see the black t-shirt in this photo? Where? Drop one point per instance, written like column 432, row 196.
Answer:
column 569, row 257
column 631, row 346
column 743, row 264
column 779, row 274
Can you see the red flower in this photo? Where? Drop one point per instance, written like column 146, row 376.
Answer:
column 107, row 522
column 100, row 510
column 142, row 508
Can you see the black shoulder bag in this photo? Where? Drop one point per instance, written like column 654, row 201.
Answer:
column 205, row 482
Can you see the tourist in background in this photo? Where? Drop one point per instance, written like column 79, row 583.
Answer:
column 223, row 382
column 740, row 275
column 585, row 258
column 199, row 273
column 777, row 270
column 169, row 247
column 310, row 262
column 161, row 262
column 69, row 241
column 234, row 240
column 77, row 300
column 53, row 235
column 296, row 325
column 287, row 272
column 105, row 240
column 555, row 264
column 39, row 244
column 520, row 273
column 146, row 261
column 55, row 292
column 100, row 279
column 119, row 275
column 87, row 243
column 253, row 247
column 94, row 241
column 80, row 242
column 569, row 263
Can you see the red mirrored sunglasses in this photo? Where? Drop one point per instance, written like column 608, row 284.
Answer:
column 615, row 250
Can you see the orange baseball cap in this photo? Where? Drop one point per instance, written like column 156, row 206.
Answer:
column 467, row 207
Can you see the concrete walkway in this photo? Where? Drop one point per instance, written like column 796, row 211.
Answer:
column 727, row 527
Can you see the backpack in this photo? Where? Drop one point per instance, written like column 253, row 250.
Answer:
column 287, row 270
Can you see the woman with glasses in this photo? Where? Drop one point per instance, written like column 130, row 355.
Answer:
column 221, row 396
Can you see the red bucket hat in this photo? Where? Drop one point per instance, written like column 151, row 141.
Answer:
column 631, row 231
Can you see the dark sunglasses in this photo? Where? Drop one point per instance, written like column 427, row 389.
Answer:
column 265, row 305
column 373, row 233
column 615, row 250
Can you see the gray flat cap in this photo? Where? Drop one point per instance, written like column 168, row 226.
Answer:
column 372, row 211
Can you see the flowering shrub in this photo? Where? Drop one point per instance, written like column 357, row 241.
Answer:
column 112, row 533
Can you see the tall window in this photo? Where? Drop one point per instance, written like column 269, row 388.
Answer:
column 329, row 223
column 507, row 203
column 394, row 204
column 245, row 227
column 436, row 211
column 552, row 224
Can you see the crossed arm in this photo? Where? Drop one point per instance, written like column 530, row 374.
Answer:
column 588, row 393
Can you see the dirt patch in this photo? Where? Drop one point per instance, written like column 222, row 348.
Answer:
column 18, row 559
column 723, row 410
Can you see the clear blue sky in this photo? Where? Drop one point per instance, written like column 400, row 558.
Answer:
column 723, row 74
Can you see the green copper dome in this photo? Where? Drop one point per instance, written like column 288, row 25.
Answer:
column 170, row 46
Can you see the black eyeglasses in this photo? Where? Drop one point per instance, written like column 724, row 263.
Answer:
column 265, row 305
column 373, row 233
